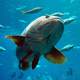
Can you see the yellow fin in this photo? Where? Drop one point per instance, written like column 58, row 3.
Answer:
column 55, row 56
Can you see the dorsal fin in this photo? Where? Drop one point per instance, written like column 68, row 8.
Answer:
column 19, row 40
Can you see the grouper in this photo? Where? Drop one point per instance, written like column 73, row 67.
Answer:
column 39, row 39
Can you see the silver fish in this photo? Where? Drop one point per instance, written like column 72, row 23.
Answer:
column 34, row 10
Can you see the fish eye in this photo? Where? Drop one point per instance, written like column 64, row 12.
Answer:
column 47, row 16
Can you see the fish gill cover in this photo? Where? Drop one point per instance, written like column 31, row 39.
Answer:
column 15, row 15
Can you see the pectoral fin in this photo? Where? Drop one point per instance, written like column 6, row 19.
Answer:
column 19, row 40
column 35, row 60
column 55, row 56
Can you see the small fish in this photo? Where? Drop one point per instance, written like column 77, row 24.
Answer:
column 1, row 26
column 2, row 49
column 69, row 20
column 21, row 8
column 22, row 21
column 4, row 27
column 67, row 47
column 34, row 10
column 60, row 14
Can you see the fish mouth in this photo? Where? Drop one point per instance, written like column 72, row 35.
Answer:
column 23, row 65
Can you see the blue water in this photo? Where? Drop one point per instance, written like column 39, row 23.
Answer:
column 10, row 17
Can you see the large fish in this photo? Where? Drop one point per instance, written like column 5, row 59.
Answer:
column 39, row 38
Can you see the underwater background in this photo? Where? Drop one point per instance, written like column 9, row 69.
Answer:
column 12, row 22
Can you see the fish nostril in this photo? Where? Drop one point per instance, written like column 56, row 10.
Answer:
column 47, row 16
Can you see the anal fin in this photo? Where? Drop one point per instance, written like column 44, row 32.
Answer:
column 55, row 56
